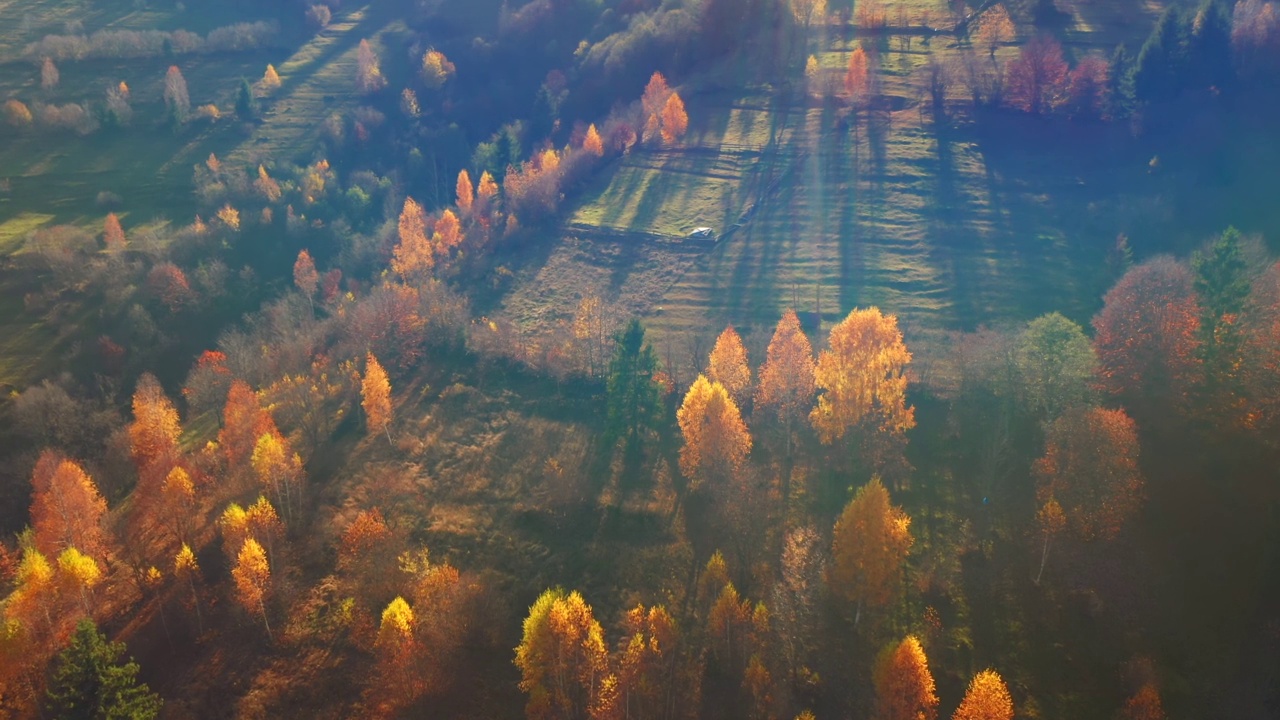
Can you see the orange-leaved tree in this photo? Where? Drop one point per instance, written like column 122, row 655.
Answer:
column 305, row 276
column 716, row 440
column 113, row 235
column 243, row 421
column 1144, row 705
column 647, row 668
column 675, row 121
column 904, row 685
column 868, row 547
column 252, row 575
column 412, row 258
column 1090, row 467
column 270, row 80
column 993, row 29
column 448, row 234
column 860, row 377
column 857, row 77
column 178, row 503
column 592, row 142
column 375, row 391
column 562, row 657
column 466, row 191
column 728, row 366
column 398, row 652
column 786, row 382
column 66, row 509
column 155, row 429
column 986, row 699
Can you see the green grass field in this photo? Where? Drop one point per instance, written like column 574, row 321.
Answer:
column 949, row 226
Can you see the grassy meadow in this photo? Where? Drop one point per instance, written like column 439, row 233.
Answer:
column 949, row 225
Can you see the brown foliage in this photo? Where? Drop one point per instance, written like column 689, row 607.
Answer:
column 1147, row 335
column 904, row 685
column 1144, row 705
column 1090, row 467
column 113, row 235
column 993, row 29
column 1038, row 77
column 305, row 277
column 168, row 283
column 1086, row 92
column 369, row 77
column 48, row 75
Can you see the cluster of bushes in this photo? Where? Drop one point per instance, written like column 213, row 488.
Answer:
column 152, row 43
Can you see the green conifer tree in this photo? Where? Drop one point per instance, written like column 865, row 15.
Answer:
column 91, row 683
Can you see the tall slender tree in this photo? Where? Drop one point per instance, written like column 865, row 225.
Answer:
column 375, row 391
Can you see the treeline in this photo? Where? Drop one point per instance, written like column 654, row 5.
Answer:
column 129, row 44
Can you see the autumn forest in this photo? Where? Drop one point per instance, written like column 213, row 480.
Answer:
column 640, row 359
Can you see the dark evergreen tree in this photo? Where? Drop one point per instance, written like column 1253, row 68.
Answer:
column 91, row 683
column 246, row 106
column 1158, row 73
column 1222, row 282
column 1120, row 84
column 635, row 402
column 1222, row 276
column 1209, row 47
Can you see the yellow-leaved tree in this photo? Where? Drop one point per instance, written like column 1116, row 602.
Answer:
column 860, row 377
column 728, row 366
column 785, row 388
column 398, row 651
column 412, row 258
column 375, row 391
column 562, row 657
column 252, row 575
column 716, row 440
column 986, row 699
column 868, row 547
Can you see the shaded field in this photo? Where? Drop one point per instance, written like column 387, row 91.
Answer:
column 950, row 225
column 52, row 178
